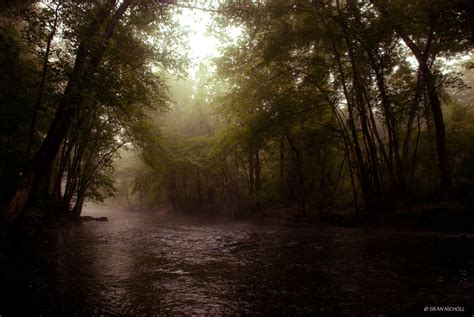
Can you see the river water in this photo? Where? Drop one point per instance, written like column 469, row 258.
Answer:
column 151, row 264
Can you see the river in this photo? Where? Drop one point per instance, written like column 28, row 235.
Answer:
column 153, row 264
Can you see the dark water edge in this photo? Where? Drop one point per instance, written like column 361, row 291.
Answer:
column 150, row 264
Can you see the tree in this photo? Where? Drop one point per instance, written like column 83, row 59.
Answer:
column 93, row 52
column 430, row 29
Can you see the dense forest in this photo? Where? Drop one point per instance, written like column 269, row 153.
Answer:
column 320, row 107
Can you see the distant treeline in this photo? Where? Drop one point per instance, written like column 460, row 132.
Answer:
column 323, row 105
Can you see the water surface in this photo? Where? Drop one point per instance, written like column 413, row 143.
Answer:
column 151, row 264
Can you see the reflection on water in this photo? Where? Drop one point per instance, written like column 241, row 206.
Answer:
column 146, row 263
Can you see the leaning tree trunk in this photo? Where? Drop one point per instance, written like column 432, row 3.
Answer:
column 42, row 85
column 421, row 55
column 446, row 185
column 77, row 209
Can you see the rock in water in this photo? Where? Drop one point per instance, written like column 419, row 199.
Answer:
column 90, row 218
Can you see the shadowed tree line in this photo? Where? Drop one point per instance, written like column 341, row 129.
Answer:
column 77, row 79
column 324, row 106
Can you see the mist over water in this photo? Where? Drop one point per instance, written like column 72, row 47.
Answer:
column 151, row 263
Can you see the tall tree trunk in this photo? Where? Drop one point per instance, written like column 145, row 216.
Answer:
column 394, row 147
column 41, row 88
column 422, row 56
column 348, row 147
column 435, row 104
column 77, row 209
column 282, row 168
column 358, row 158
column 301, row 182
column 251, row 175
column 258, row 182
column 199, row 188
column 411, row 116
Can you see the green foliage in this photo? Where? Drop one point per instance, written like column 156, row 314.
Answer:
column 321, row 115
column 325, row 115
column 41, row 44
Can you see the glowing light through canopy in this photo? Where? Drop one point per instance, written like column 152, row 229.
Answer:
column 203, row 44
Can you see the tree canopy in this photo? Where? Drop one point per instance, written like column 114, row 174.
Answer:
column 322, row 106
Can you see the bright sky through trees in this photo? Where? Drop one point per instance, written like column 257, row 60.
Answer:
column 203, row 45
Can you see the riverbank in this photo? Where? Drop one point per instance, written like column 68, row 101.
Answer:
column 427, row 218
column 435, row 217
column 432, row 217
